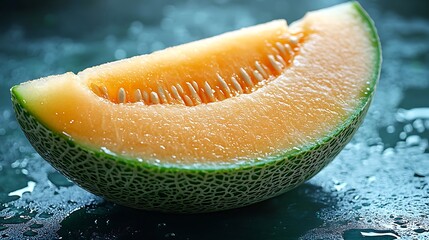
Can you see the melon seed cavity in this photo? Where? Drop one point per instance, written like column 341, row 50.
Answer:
column 245, row 80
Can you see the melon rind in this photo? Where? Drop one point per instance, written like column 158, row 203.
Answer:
column 189, row 190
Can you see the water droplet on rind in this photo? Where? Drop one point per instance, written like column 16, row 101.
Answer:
column 107, row 151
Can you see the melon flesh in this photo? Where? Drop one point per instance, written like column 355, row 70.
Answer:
column 323, row 84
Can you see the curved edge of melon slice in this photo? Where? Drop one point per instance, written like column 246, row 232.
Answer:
column 152, row 184
column 375, row 42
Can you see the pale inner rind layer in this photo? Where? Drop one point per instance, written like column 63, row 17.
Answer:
column 322, row 87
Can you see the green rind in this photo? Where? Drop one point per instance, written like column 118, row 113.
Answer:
column 184, row 189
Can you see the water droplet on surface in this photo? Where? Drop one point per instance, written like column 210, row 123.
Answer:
column 6, row 114
column 120, row 54
column 30, row 233
column 403, row 135
column 420, row 230
column 362, row 234
column 45, row 215
column 419, row 126
column 36, row 225
column 19, row 215
column 371, row 179
column 157, row 45
column 400, row 222
column 408, row 128
column 380, row 234
column 389, row 152
column 340, row 186
column 135, row 28
column 390, row 129
column 161, row 225
column 418, row 175
column 59, row 180
column 412, row 114
column 413, row 140
column 29, row 188
column 170, row 235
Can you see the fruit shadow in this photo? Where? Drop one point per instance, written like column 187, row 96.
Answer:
column 289, row 215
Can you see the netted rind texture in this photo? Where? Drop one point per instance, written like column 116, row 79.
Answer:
column 141, row 185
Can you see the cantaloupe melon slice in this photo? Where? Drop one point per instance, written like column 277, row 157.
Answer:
column 214, row 124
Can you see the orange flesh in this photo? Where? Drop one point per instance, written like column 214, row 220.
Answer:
column 193, row 70
column 312, row 96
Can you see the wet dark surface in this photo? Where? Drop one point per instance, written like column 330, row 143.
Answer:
column 377, row 188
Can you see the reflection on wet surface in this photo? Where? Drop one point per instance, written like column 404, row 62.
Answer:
column 276, row 218
column 377, row 188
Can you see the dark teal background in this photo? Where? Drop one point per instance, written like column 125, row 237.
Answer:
column 377, row 188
